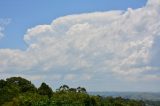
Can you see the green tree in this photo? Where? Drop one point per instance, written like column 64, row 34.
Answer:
column 81, row 90
column 44, row 89
column 72, row 89
column 8, row 92
column 23, row 84
column 64, row 88
column 2, row 83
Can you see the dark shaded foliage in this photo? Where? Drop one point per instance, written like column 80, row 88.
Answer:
column 44, row 89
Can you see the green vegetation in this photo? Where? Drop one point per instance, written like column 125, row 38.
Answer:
column 17, row 91
column 152, row 103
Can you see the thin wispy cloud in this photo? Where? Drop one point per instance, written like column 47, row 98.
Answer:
column 3, row 23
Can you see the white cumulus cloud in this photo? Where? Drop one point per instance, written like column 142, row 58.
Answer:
column 123, row 43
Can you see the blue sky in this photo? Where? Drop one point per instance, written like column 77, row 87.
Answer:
column 103, row 45
column 28, row 13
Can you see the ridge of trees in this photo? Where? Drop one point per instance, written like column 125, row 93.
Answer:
column 17, row 91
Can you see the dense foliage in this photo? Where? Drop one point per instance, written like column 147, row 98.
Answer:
column 17, row 91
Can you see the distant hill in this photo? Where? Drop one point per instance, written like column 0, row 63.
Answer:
column 131, row 95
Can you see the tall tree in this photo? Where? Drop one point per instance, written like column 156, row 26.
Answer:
column 44, row 89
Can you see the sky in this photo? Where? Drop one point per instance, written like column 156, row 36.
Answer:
column 102, row 45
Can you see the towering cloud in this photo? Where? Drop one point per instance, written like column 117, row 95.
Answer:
column 123, row 43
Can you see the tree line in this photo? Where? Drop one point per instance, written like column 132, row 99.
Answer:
column 17, row 91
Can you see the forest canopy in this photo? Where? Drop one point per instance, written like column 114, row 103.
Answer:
column 17, row 91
